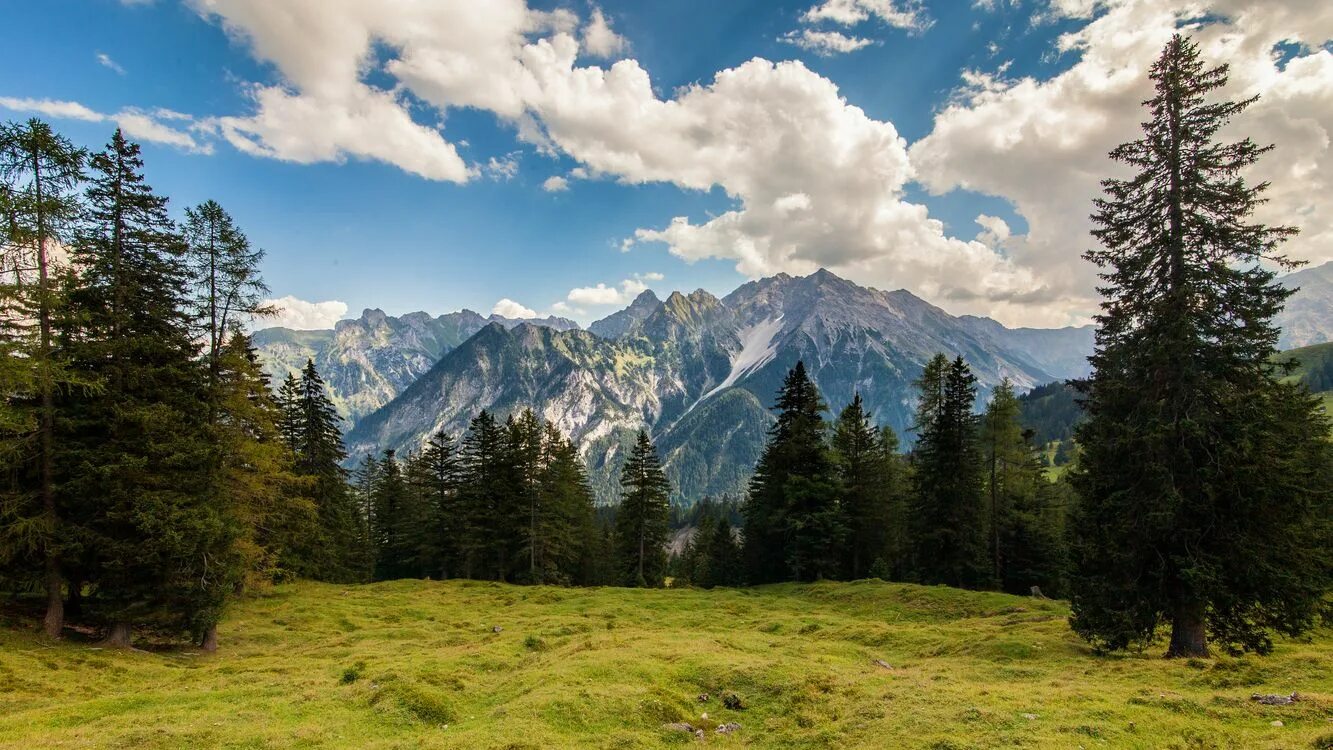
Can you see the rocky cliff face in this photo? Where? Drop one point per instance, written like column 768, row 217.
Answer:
column 371, row 359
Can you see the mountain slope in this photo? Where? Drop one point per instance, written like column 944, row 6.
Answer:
column 369, row 360
column 698, row 372
column 618, row 323
column 1308, row 316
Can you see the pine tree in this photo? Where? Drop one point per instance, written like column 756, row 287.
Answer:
column 865, row 471
column 434, row 475
column 1024, row 548
column 483, row 496
column 564, row 529
column 39, row 174
column 338, row 551
column 948, row 517
column 398, row 520
column 1204, row 483
column 793, row 526
column 136, row 454
column 227, row 288
column 643, row 519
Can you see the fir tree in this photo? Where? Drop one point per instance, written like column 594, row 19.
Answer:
column 227, row 288
column 483, row 497
column 1024, row 549
column 563, row 528
column 948, row 517
column 337, row 552
column 39, row 174
column 1204, row 483
column 642, row 520
column 793, row 526
column 865, row 474
column 137, row 453
column 435, row 476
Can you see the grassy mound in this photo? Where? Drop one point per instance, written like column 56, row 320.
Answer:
column 867, row 664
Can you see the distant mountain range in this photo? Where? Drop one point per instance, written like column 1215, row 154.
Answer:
column 697, row 371
column 369, row 360
column 1308, row 316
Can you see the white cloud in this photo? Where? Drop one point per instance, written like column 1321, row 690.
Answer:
column 105, row 61
column 825, row 43
column 601, row 294
column 503, row 169
column 814, row 181
column 304, row 316
column 1042, row 144
column 599, row 39
column 555, row 184
column 903, row 15
column 507, row 308
column 137, row 124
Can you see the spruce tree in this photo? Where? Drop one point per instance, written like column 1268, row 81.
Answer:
column 227, row 290
column 1204, row 482
column 948, row 516
column 483, row 496
column 793, row 525
column 865, row 482
column 1024, row 549
column 435, row 476
column 643, row 518
column 564, row 528
column 39, row 175
column 338, row 551
column 136, row 453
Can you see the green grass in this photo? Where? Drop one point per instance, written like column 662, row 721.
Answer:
column 419, row 664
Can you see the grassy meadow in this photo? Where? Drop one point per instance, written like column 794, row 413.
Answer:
column 481, row 665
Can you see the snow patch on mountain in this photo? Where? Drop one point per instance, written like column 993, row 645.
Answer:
column 757, row 349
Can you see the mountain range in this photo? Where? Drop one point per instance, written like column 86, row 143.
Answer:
column 697, row 371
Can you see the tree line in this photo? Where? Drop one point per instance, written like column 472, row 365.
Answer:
column 968, row 506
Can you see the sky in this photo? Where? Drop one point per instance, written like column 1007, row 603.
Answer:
column 534, row 157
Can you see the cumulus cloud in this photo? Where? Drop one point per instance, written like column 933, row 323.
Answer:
column 813, row 180
column 302, row 315
column 599, row 39
column 507, row 308
column 601, row 294
column 555, row 184
column 138, row 124
column 105, row 61
column 903, row 15
column 1042, row 144
column 825, row 43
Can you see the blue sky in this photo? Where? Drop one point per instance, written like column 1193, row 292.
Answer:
column 357, row 225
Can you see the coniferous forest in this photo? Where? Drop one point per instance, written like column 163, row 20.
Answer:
column 153, row 474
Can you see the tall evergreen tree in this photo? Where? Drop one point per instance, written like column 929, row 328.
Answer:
column 865, row 474
column 435, row 477
column 563, row 525
column 227, row 290
column 337, row 552
column 136, row 454
column 484, row 496
column 642, row 521
column 39, row 175
column 1204, row 482
column 948, row 517
column 1024, row 549
column 793, row 526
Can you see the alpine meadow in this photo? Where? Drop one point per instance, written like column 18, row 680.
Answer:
column 795, row 456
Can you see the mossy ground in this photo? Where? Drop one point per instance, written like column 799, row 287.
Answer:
column 419, row 664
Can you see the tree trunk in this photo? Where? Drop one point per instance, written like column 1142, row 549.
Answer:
column 54, row 622
column 209, row 642
column 1189, row 636
column 118, row 636
column 74, row 602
